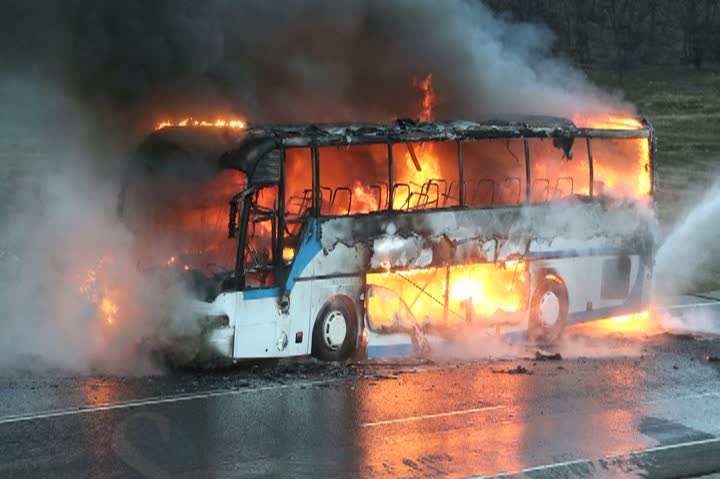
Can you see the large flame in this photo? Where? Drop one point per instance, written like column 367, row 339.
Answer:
column 608, row 122
column 447, row 295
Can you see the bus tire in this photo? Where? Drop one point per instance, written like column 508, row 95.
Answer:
column 548, row 310
column 335, row 330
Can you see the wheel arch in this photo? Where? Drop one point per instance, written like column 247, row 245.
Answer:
column 353, row 308
column 547, row 278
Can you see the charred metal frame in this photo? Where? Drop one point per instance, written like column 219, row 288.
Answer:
column 528, row 179
column 280, row 220
column 391, row 185
column 591, row 168
column 313, row 137
column 461, row 174
column 242, row 238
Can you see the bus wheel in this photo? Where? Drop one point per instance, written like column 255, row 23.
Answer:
column 334, row 331
column 548, row 310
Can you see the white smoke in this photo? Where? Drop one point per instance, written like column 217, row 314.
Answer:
column 693, row 320
column 64, row 250
column 487, row 345
column 687, row 254
column 566, row 224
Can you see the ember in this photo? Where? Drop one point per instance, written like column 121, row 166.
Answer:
column 190, row 122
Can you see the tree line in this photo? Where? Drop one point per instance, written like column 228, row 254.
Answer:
column 626, row 33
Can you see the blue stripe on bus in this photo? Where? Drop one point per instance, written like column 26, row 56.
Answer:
column 309, row 247
column 571, row 253
column 390, row 350
column 260, row 293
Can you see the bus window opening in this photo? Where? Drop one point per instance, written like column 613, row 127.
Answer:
column 353, row 179
column 260, row 238
column 298, row 198
column 494, row 172
column 425, row 175
column 621, row 167
column 556, row 175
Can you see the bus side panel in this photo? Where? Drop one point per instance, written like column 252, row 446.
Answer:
column 296, row 322
column 339, row 272
column 256, row 324
column 260, row 325
column 584, row 276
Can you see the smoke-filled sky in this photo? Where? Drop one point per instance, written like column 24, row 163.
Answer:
column 308, row 60
column 82, row 81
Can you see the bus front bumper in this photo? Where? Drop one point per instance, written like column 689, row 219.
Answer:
column 213, row 344
column 218, row 343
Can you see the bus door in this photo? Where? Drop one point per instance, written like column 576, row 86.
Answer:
column 258, row 314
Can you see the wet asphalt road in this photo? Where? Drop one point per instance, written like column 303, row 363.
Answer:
column 654, row 412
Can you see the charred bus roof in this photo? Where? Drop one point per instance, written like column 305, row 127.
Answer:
column 256, row 151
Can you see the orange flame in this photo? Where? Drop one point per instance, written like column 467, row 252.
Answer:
column 236, row 124
column 428, row 101
column 446, row 295
column 97, row 292
column 608, row 122
column 109, row 308
column 288, row 253
column 642, row 322
column 421, row 162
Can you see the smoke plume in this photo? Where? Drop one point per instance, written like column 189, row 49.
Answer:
column 294, row 60
column 83, row 81
column 685, row 257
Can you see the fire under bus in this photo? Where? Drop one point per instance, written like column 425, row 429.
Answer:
column 369, row 238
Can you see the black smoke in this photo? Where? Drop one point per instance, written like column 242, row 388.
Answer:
column 289, row 61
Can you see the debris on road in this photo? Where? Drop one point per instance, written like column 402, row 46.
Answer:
column 519, row 369
column 542, row 355
column 681, row 336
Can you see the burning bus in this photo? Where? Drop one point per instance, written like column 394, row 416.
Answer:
column 343, row 239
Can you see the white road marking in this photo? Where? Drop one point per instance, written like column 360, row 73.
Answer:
column 574, row 462
column 85, row 409
column 431, row 416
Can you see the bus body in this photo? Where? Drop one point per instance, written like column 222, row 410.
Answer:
column 371, row 238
